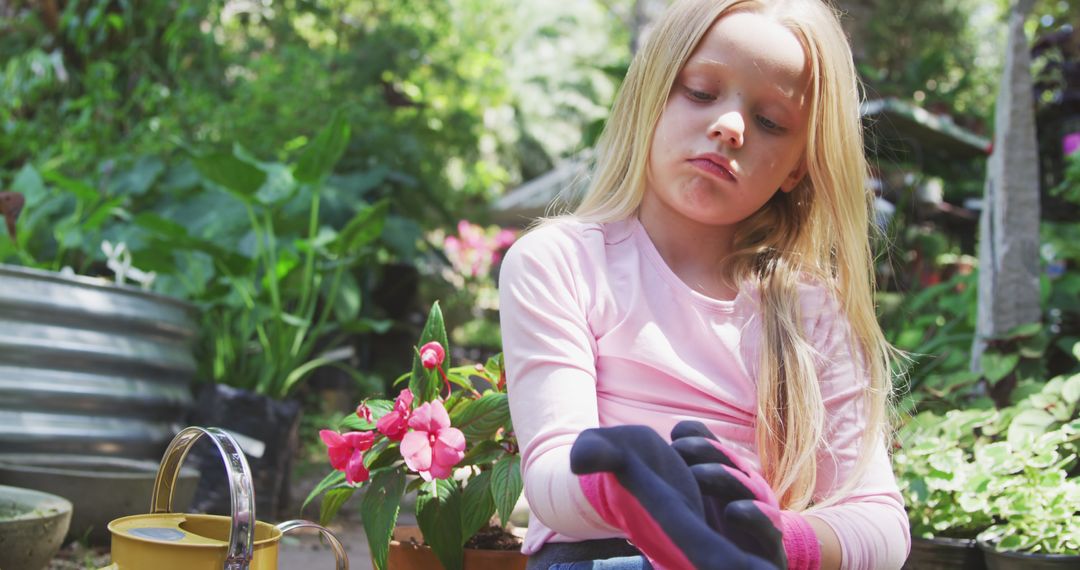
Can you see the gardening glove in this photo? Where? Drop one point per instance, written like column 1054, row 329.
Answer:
column 639, row 484
column 740, row 504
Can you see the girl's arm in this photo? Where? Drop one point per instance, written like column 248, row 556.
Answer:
column 868, row 528
column 550, row 356
column 830, row 544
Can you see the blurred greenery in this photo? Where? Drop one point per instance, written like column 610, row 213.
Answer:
column 116, row 116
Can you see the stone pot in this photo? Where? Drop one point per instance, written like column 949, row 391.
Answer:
column 407, row 553
column 32, row 527
column 101, row 488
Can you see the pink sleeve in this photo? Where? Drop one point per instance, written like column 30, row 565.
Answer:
column 550, row 356
column 870, row 522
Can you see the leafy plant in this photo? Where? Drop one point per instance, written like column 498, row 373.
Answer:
column 465, row 467
column 935, row 326
column 1006, row 476
column 271, row 314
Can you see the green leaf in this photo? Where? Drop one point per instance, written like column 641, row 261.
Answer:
column 231, row 173
column 333, row 478
column 102, row 213
column 365, row 227
column 332, row 502
column 1024, row 330
column 481, row 419
column 1070, row 391
column 29, row 183
column 506, row 485
column 379, row 510
column 996, row 366
column 478, row 505
column 319, row 157
column 484, row 452
column 80, row 189
column 365, row 325
column 439, row 515
column 347, row 307
column 1028, row 425
column 1034, row 346
column 384, row 456
column 423, row 386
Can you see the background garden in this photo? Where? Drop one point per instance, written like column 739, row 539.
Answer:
column 311, row 175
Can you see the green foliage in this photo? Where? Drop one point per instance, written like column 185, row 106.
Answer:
column 935, row 326
column 287, row 285
column 936, row 53
column 1004, row 475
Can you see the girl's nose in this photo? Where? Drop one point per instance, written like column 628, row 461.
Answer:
column 728, row 129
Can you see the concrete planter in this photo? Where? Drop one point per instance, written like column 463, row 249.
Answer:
column 32, row 527
column 102, row 489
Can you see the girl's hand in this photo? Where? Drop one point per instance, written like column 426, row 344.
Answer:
column 639, row 484
column 740, row 504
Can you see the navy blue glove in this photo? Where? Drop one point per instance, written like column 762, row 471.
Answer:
column 740, row 504
column 639, row 484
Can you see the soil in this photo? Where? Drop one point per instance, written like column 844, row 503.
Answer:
column 494, row 538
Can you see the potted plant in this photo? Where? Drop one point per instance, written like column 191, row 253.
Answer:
column 448, row 437
column 1005, row 477
column 278, row 295
column 935, row 474
column 1031, row 483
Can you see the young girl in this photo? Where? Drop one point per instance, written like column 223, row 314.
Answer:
column 718, row 269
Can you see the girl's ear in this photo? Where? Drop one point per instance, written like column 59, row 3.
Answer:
column 795, row 176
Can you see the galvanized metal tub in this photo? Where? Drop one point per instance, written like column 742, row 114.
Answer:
column 90, row 367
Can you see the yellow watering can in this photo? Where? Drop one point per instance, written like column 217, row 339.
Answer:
column 164, row 540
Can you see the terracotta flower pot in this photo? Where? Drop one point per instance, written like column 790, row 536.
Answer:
column 406, row 553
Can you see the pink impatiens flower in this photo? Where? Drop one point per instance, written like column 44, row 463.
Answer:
column 364, row 412
column 394, row 424
column 346, row 451
column 432, row 354
column 433, row 448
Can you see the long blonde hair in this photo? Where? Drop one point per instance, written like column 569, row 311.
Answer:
column 819, row 230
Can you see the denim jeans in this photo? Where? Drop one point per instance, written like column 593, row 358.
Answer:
column 604, row 554
column 621, row 563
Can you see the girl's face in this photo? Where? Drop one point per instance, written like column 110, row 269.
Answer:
column 733, row 131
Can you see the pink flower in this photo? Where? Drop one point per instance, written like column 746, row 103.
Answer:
column 394, row 424
column 346, row 451
column 432, row 354
column 364, row 412
column 433, row 448
column 504, row 239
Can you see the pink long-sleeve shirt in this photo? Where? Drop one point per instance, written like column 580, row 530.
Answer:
column 598, row 331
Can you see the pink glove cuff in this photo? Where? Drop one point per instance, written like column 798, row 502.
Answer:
column 800, row 542
column 622, row 510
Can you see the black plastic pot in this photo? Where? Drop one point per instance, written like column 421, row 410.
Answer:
column 944, row 554
column 1012, row 560
column 267, row 431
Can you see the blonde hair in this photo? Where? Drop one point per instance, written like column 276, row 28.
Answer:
column 820, row 230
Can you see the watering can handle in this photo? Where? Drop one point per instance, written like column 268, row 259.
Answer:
column 335, row 544
column 242, row 533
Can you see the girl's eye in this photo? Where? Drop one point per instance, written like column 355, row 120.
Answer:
column 769, row 125
column 700, row 96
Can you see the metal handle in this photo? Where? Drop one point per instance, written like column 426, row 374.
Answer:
column 335, row 544
column 242, row 531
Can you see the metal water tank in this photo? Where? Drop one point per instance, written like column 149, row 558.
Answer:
column 90, row 367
